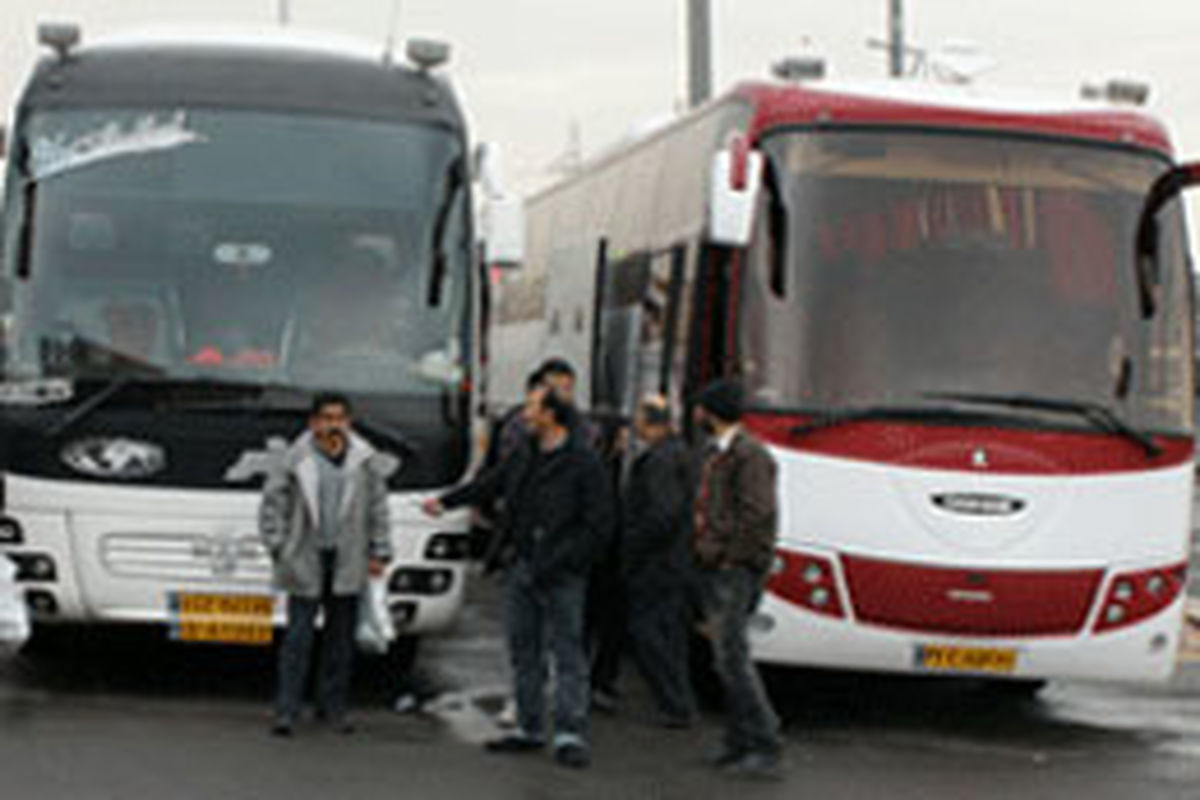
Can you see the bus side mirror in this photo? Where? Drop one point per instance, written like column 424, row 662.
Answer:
column 735, row 181
column 503, row 224
column 1146, row 243
column 501, row 213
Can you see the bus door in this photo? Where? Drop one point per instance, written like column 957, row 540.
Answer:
column 638, row 316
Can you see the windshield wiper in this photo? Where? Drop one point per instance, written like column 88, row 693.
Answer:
column 1100, row 416
column 824, row 419
column 437, row 277
column 256, row 397
column 89, row 406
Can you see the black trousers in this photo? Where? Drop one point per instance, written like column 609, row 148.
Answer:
column 337, row 649
column 658, row 625
column 606, row 625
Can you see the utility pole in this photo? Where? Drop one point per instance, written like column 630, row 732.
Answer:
column 896, row 38
column 699, row 47
column 285, row 13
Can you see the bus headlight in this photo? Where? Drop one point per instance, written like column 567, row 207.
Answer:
column 11, row 531
column 34, row 567
column 808, row 581
column 1136, row 596
column 448, row 547
column 420, row 581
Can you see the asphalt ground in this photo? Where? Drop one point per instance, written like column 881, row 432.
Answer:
column 128, row 715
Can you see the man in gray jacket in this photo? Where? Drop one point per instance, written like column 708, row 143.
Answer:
column 324, row 520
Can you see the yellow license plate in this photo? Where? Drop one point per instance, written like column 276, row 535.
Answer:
column 222, row 618
column 949, row 658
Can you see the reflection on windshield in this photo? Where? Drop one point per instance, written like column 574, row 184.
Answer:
column 244, row 247
column 895, row 265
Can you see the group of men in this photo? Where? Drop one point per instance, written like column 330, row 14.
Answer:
column 678, row 540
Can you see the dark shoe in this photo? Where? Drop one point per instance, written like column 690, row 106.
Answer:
column 756, row 767
column 575, row 756
column 676, row 722
column 514, row 743
column 724, row 757
column 283, row 727
column 341, row 725
column 336, row 722
column 604, row 701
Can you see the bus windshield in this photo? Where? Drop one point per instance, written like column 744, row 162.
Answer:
column 239, row 246
column 896, row 268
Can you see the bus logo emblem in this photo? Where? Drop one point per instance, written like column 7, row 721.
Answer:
column 979, row 505
column 115, row 458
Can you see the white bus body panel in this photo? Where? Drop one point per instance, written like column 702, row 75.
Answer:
column 120, row 550
column 1115, row 522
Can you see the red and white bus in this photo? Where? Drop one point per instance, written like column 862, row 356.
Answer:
column 980, row 400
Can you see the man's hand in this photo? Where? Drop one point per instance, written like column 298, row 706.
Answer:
column 433, row 507
column 376, row 567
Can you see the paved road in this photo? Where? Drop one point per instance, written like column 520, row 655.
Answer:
column 127, row 717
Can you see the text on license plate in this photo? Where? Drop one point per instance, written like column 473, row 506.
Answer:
column 223, row 618
column 951, row 658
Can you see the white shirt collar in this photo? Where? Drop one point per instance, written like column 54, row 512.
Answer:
column 725, row 440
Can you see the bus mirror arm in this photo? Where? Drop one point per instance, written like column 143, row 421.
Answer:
column 502, row 214
column 1146, row 243
column 25, row 232
column 735, row 181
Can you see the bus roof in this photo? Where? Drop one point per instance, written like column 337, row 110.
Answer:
column 923, row 105
column 252, row 70
column 259, row 38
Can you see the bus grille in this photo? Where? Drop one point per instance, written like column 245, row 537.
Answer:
column 970, row 602
column 187, row 557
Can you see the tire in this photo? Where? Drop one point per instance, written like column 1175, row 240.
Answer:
column 1020, row 689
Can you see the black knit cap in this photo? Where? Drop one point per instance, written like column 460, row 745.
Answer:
column 722, row 399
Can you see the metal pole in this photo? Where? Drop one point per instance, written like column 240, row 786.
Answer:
column 699, row 52
column 285, row 13
column 896, row 38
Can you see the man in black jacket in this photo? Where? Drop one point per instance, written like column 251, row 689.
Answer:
column 655, row 560
column 558, row 511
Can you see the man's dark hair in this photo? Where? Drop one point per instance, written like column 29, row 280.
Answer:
column 533, row 380
column 723, row 399
column 656, row 413
column 555, row 366
column 564, row 413
column 324, row 399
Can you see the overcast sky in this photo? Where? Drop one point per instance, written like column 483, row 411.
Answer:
column 529, row 68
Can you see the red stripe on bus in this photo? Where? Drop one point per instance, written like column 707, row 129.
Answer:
column 783, row 106
column 971, row 449
column 970, row 602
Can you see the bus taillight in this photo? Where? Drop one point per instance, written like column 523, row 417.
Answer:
column 1135, row 596
column 808, row 581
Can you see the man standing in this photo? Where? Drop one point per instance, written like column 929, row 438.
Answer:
column 324, row 520
column 734, row 541
column 558, row 511
column 654, row 561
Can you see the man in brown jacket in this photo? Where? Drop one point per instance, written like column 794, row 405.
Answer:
column 735, row 529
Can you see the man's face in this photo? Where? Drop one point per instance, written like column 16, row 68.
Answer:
column 705, row 421
column 330, row 426
column 562, row 385
column 537, row 418
column 646, row 430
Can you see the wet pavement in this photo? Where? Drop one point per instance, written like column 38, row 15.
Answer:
column 130, row 715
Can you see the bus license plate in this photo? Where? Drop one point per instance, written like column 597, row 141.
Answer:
column 222, row 618
column 950, row 658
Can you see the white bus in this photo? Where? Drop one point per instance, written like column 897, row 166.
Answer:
column 201, row 233
column 980, row 401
